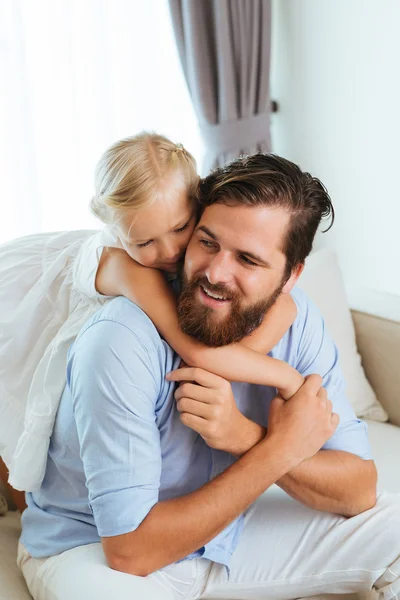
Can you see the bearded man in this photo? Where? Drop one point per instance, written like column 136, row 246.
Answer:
column 148, row 495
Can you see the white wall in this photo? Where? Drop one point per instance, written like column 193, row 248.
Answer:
column 336, row 76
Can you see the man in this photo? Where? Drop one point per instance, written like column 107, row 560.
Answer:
column 168, row 492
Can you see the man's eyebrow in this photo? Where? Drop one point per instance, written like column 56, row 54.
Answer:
column 251, row 255
column 207, row 231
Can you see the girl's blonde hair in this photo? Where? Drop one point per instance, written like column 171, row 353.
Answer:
column 130, row 174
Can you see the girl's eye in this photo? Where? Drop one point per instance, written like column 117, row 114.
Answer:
column 144, row 244
column 247, row 261
column 182, row 228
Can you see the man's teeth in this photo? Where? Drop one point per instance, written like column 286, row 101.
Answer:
column 215, row 296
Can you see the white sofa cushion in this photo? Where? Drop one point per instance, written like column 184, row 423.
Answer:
column 322, row 281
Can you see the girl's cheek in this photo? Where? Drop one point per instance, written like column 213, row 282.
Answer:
column 146, row 257
column 137, row 254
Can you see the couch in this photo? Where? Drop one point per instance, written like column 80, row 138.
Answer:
column 378, row 343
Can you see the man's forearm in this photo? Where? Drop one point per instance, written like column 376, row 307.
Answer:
column 175, row 528
column 333, row 481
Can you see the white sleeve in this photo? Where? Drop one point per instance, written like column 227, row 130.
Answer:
column 87, row 261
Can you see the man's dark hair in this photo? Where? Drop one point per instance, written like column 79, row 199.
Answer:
column 267, row 179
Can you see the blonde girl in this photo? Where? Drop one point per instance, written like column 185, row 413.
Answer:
column 51, row 283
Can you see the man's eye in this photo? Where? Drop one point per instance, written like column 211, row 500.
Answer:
column 247, row 261
column 206, row 243
column 144, row 244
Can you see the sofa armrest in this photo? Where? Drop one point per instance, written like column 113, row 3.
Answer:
column 378, row 342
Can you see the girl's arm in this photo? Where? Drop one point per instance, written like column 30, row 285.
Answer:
column 275, row 324
column 119, row 275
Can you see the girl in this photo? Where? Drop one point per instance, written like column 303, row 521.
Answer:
column 50, row 284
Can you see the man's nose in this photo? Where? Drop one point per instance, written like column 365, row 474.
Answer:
column 219, row 270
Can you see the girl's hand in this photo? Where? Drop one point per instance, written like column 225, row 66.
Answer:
column 292, row 385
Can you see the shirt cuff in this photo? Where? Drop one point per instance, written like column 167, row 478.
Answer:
column 122, row 511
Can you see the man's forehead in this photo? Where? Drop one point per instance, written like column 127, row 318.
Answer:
column 256, row 230
column 262, row 221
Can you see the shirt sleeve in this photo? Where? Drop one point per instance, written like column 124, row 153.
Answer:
column 114, row 388
column 317, row 353
column 87, row 262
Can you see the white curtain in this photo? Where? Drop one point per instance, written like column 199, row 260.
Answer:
column 76, row 75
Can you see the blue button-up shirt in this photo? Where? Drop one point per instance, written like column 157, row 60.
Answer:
column 119, row 447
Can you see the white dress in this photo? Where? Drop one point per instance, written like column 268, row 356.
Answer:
column 47, row 293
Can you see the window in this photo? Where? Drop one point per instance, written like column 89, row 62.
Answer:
column 78, row 76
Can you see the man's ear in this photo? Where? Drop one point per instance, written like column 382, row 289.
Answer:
column 296, row 272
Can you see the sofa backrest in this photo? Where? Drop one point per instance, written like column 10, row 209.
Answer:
column 378, row 342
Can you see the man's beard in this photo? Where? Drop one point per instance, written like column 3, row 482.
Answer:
column 200, row 321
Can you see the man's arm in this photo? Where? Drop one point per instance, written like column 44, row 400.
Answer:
column 175, row 528
column 333, row 480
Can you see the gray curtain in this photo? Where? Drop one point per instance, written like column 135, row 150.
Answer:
column 224, row 47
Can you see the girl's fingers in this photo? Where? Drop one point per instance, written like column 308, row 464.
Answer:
column 200, row 376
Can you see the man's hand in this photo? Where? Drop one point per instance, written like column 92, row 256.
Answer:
column 207, row 405
column 305, row 422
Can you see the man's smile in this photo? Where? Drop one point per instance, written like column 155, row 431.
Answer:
column 212, row 299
